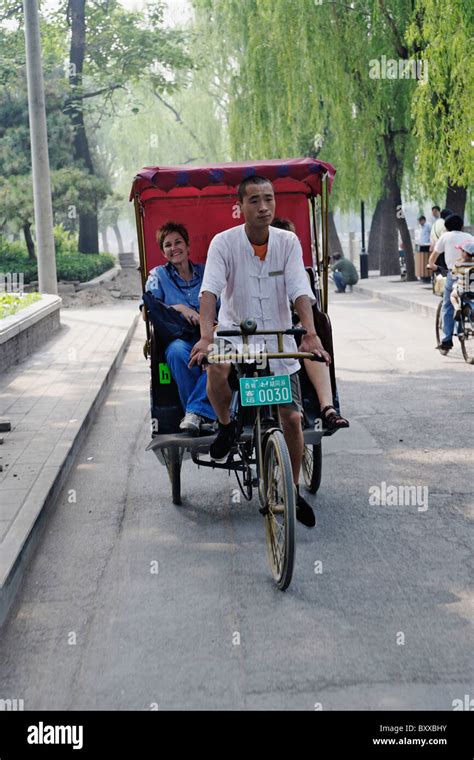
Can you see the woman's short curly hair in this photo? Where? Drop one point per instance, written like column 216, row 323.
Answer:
column 168, row 229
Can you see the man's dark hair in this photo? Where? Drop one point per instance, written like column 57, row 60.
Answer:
column 254, row 180
column 421, row 217
column 454, row 223
column 445, row 213
column 168, row 229
column 435, row 207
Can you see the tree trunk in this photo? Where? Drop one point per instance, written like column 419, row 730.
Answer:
column 88, row 224
column 456, row 199
column 334, row 242
column 388, row 240
column 394, row 219
column 407, row 247
column 105, row 240
column 375, row 236
column 116, row 229
column 29, row 241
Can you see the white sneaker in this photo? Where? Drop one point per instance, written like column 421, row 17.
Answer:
column 191, row 423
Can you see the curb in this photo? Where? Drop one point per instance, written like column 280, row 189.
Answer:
column 46, row 489
column 17, row 323
column 107, row 276
column 426, row 309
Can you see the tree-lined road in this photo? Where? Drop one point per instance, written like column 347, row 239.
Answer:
column 132, row 603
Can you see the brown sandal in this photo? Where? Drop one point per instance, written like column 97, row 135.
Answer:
column 333, row 420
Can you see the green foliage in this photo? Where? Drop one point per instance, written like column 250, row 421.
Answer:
column 82, row 266
column 10, row 303
column 443, row 107
column 70, row 264
column 296, row 69
column 122, row 49
column 11, row 249
column 64, row 241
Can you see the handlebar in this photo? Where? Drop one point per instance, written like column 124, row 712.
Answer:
column 241, row 358
column 249, row 327
column 241, row 333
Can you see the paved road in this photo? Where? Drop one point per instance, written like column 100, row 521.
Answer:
column 387, row 624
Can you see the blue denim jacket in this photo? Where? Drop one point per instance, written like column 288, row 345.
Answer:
column 166, row 284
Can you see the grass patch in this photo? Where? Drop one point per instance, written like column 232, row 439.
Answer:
column 10, row 303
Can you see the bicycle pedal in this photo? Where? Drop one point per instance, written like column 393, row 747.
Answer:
column 263, row 511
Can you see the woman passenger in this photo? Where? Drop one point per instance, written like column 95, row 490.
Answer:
column 177, row 284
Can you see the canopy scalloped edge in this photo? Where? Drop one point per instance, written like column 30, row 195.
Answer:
column 307, row 171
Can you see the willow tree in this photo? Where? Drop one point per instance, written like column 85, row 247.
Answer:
column 443, row 107
column 298, row 69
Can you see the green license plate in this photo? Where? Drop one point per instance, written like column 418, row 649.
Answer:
column 263, row 391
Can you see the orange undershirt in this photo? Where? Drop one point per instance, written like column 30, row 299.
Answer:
column 260, row 250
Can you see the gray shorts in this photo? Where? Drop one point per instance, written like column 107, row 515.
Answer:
column 297, row 402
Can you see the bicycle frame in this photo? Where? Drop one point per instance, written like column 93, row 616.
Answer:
column 259, row 434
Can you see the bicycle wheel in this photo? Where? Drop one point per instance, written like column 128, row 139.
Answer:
column 312, row 466
column 280, row 509
column 173, row 459
column 439, row 322
column 467, row 338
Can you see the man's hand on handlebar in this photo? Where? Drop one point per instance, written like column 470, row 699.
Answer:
column 311, row 344
column 434, row 267
column 199, row 351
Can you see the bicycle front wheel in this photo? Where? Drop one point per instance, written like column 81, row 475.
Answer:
column 280, row 509
column 439, row 322
column 467, row 337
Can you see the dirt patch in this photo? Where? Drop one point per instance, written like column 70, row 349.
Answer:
column 126, row 284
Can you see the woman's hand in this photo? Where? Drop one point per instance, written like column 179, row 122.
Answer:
column 189, row 314
column 310, row 343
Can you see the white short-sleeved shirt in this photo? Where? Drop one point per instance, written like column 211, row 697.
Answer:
column 253, row 289
column 437, row 230
column 447, row 245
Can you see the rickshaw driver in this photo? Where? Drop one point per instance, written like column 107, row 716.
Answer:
column 238, row 271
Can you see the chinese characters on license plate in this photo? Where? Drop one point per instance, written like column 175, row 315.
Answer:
column 263, row 391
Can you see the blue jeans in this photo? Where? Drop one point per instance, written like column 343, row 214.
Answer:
column 339, row 281
column 191, row 382
column 448, row 310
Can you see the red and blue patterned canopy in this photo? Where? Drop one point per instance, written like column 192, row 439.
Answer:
column 291, row 175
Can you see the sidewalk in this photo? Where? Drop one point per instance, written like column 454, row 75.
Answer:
column 50, row 400
column 415, row 296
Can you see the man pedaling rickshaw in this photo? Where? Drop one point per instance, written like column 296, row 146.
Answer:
column 255, row 270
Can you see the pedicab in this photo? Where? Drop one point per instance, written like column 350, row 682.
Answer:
column 204, row 199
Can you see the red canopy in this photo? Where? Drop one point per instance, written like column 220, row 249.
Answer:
column 204, row 199
column 291, row 175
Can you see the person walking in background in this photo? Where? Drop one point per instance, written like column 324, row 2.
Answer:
column 344, row 272
column 436, row 211
column 438, row 227
column 425, row 230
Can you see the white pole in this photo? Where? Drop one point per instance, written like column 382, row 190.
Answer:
column 39, row 152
